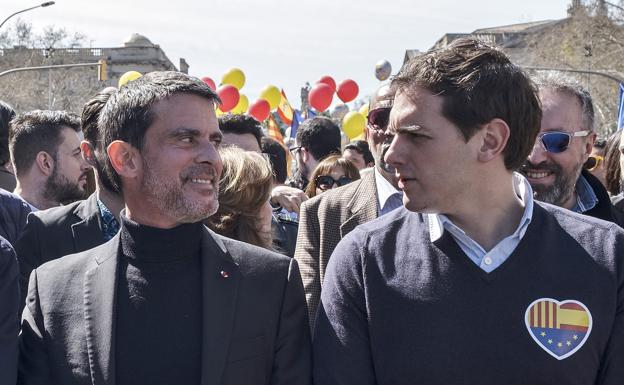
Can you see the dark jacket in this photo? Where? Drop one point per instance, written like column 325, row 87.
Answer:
column 13, row 214
column 9, row 318
column 604, row 209
column 255, row 326
column 59, row 231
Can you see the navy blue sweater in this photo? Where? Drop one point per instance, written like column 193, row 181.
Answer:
column 398, row 309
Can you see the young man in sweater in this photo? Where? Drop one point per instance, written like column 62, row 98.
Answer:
column 473, row 282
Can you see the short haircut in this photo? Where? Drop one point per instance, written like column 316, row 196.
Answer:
column 277, row 157
column 324, row 168
column 361, row 146
column 244, row 188
column 6, row 114
column 559, row 82
column 478, row 83
column 89, row 120
column 320, row 136
column 130, row 112
column 240, row 125
column 36, row 131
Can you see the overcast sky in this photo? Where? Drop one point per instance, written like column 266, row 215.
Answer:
column 284, row 42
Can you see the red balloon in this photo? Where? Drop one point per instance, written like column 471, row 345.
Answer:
column 229, row 97
column 320, row 96
column 209, row 82
column 260, row 110
column 329, row 81
column 347, row 90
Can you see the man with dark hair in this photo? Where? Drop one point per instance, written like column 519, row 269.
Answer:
column 555, row 166
column 242, row 131
column 46, row 156
column 284, row 224
column 358, row 153
column 79, row 226
column 7, row 179
column 316, row 138
column 328, row 217
column 165, row 301
column 472, row 282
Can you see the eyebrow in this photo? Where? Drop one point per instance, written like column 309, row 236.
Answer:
column 408, row 129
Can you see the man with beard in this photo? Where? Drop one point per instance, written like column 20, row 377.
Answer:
column 165, row 301
column 46, row 156
column 82, row 225
column 325, row 219
column 554, row 167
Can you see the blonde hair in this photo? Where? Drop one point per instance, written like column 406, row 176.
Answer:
column 245, row 186
column 325, row 167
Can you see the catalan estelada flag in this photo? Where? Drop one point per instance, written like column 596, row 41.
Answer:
column 284, row 110
column 273, row 130
column 560, row 328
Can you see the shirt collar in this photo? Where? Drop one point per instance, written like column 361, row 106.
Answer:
column 522, row 188
column 585, row 196
column 384, row 188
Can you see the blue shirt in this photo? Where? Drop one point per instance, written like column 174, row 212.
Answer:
column 385, row 190
column 585, row 196
column 487, row 260
column 110, row 226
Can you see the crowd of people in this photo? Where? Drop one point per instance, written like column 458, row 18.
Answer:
column 474, row 237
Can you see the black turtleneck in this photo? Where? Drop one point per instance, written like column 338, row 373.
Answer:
column 159, row 305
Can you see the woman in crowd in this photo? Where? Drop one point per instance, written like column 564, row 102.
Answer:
column 244, row 211
column 333, row 171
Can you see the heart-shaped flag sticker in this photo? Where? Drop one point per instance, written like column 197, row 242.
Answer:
column 560, row 328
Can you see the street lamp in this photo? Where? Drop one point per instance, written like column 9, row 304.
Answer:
column 46, row 4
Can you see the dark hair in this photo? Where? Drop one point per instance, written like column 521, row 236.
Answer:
column 240, row 125
column 277, row 157
column 89, row 119
column 6, row 114
column 612, row 164
column 36, row 131
column 129, row 112
column 361, row 146
column 600, row 144
column 479, row 83
column 324, row 168
column 320, row 136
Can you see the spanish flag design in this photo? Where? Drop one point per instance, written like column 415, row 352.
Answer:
column 560, row 328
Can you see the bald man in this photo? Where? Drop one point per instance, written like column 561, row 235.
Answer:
column 325, row 219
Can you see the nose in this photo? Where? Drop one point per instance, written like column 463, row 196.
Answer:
column 394, row 156
column 538, row 154
column 84, row 165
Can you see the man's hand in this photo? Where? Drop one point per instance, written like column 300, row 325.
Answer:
column 289, row 198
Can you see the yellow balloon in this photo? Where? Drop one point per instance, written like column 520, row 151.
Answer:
column 364, row 110
column 362, row 136
column 242, row 106
column 353, row 124
column 128, row 77
column 272, row 95
column 234, row 77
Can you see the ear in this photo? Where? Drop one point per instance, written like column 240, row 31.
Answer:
column 494, row 136
column 124, row 158
column 88, row 153
column 589, row 145
column 45, row 163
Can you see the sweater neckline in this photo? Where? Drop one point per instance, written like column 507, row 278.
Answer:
column 145, row 243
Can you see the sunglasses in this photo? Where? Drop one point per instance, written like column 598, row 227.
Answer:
column 326, row 182
column 294, row 150
column 558, row 141
column 593, row 162
column 378, row 118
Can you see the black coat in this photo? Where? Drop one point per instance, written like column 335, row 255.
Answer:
column 255, row 326
column 53, row 233
column 604, row 209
